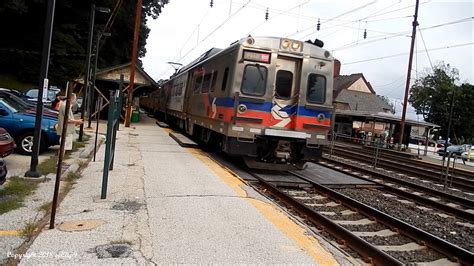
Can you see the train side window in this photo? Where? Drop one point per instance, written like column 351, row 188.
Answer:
column 316, row 90
column 213, row 82
column 254, row 80
column 206, row 83
column 283, row 84
column 197, row 84
column 224, row 79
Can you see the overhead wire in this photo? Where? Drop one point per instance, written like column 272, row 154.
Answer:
column 398, row 34
column 400, row 54
column 333, row 18
column 184, row 44
column 426, row 49
column 211, row 33
column 278, row 14
column 350, row 22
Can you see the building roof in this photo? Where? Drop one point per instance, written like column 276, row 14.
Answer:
column 113, row 74
column 343, row 82
column 362, row 101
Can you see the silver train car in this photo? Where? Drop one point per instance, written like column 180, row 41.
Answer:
column 266, row 99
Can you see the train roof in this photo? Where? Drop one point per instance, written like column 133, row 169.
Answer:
column 272, row 43
column 208, row 54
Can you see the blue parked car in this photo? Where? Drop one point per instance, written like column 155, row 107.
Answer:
column 19, row 121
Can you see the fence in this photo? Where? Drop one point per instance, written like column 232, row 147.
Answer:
column 113, row 121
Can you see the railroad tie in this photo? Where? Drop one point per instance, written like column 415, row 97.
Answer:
column 329, row 204
column 381, row 233
column 406, row 247
column 364, row 221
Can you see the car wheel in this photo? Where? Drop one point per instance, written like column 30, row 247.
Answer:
column 25, row 143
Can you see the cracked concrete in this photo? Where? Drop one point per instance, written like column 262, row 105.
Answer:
column 180, row 212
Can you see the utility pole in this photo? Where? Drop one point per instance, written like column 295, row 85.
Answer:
column 48, row 33
column 85, row 100
column 407, row 86
column 138, row 19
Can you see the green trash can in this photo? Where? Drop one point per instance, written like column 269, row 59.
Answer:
column 135, row 116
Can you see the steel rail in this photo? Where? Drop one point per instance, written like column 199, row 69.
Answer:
column 461, row 183
column 367, row 250
column 417, row 198
column 428, row 166
column 424, row 164
column 450, row 250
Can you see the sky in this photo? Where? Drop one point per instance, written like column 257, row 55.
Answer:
column 187, row 28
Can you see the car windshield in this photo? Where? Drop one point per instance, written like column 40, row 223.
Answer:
column 12, row 105
column 51, row 95
column 15, row 99
column 32, row 93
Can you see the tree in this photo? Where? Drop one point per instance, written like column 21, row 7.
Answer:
column 23, row 21
column 431, row 97
column 386, row 100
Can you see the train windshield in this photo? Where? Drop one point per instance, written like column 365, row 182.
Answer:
column 254, row 80
column 284, row 82
column 316, row 90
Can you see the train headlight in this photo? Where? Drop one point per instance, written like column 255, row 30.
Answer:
column 295, row 45
column 250, row 40
column 285, row 44
column 242, row 108
column 321, row 117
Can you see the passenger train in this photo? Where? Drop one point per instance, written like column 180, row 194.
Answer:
column 266, row 99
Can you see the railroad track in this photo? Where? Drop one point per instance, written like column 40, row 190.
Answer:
column 379, row 238
column 405, row 167
column 460, row 207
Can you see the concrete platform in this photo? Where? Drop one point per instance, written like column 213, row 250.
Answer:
column 162, row 124
column 283, row 180
column 170, row 205
column 182, row 140
column 331, row 178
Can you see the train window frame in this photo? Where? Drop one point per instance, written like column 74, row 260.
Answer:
column 206, row 83
column 277, row 93
column 308, row 99
column 257, row 66
column 213, row 81
column 197, row 86
column 224, row 79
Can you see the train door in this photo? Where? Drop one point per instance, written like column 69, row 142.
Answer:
column 286, row 93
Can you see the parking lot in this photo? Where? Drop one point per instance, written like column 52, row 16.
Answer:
column 18, row 164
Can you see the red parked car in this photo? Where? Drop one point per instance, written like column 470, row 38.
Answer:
column 7, row 143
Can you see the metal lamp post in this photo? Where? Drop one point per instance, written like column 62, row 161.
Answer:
column 94, row 76
column 48, row 33
column 88, row 64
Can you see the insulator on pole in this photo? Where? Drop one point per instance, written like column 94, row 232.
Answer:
column 266, row 14
column 318, row 26
column 212, row 3
column 365, row 34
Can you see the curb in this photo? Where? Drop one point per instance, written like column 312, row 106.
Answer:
column 85, row 154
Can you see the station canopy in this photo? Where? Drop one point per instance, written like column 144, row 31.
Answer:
column 382, row 117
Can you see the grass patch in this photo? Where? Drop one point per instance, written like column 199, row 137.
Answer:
column 9, row 205
column 48, row 166
column 82, row 164
column 71, row 177
column 14, row 192
column 28, row 230
column 76, row 145
column 45, row 207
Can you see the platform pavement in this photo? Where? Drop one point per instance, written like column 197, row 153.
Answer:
column 173, row 205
